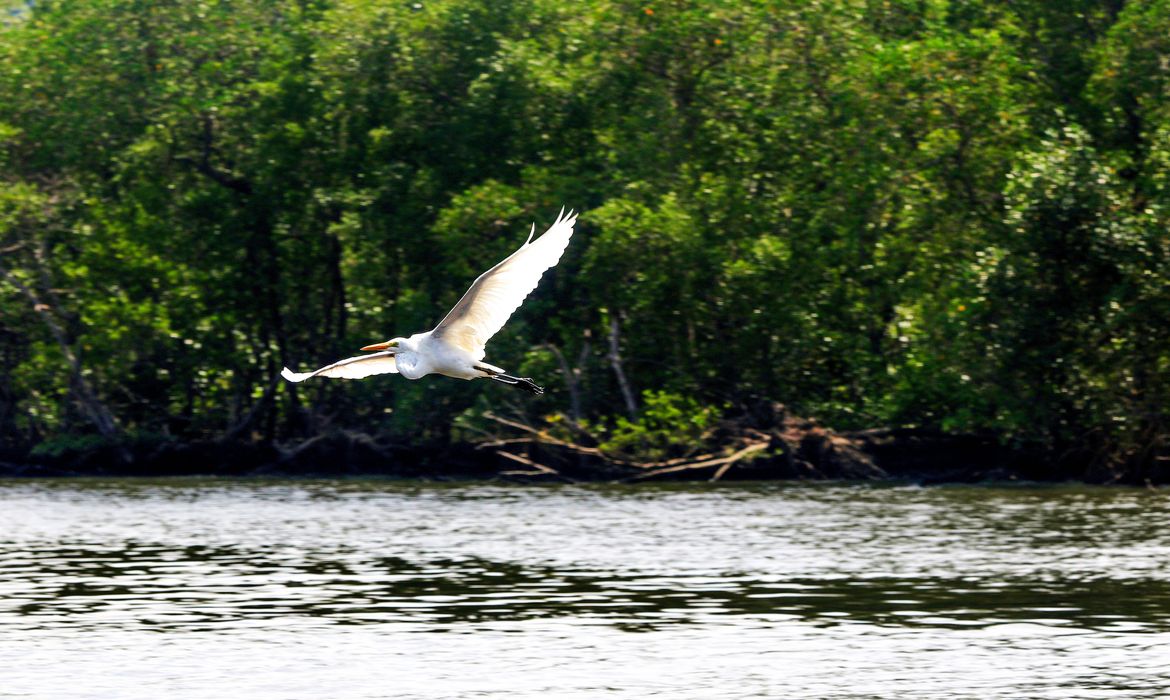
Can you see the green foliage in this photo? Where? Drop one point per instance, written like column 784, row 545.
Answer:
column 668, row 423
column 64, row 444
column 84, row 443
column 942, row 214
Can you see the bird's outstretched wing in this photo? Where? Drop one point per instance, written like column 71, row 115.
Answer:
column 349, row 368
column 492, row 298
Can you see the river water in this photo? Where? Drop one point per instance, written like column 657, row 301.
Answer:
column 372, row 589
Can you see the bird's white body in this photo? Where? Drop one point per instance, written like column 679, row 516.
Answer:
column 455, row 348
column 422, row 354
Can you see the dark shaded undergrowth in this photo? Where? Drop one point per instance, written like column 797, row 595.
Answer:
column 770, row 445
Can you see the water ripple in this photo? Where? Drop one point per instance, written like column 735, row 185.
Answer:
column 981, row 579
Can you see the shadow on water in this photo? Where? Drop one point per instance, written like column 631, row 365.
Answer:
column 195, row 586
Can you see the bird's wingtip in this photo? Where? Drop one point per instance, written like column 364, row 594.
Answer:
column 566, row 217
column 292, row 376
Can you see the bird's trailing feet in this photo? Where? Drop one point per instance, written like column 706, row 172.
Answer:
column 524, row 383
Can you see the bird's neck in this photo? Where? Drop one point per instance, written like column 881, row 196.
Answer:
column 410, row 364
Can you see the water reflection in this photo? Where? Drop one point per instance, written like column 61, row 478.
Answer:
column 158, row 584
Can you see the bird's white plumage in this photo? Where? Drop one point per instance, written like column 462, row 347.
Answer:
column 358, row 367
column 455, row 347
column 497, row 293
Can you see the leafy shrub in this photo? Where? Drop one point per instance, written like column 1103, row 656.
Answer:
column 668, row 424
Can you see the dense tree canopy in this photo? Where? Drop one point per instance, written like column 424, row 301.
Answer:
column 933, row 213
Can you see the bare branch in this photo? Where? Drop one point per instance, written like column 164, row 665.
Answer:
column 540, row 468
column 615, row 360
column 724, row 463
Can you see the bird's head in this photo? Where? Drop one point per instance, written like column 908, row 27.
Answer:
column 388, row 345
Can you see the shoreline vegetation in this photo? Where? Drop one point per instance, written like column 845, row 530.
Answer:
column 940, row 228
column 772, row 444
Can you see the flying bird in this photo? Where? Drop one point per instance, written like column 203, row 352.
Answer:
column 455, row 348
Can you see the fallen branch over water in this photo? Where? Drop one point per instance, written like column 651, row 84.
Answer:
column 777, row 446
column 722, row 464
column 538, row 469
column 641, row 470
column 539, row 437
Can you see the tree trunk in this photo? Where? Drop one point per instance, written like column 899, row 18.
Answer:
column 572, row 377
column 615, row 361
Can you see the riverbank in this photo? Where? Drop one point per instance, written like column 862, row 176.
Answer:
column 776, row 446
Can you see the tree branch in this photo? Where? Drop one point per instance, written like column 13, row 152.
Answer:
column 203, row 165
column 96, row 411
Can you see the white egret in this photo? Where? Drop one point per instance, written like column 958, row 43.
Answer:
column 455, row 348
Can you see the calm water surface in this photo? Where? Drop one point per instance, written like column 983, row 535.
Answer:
column 243, row 589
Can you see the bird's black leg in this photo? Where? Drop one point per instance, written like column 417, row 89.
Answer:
column 524, row 383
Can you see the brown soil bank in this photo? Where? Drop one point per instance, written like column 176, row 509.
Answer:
column 769, row 444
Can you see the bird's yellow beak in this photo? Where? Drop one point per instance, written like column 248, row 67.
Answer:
column 382, row 346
